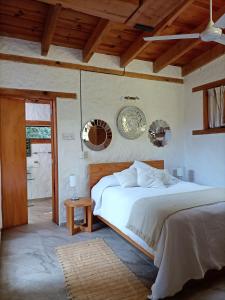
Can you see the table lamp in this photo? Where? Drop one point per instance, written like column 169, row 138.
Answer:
column 73, row 184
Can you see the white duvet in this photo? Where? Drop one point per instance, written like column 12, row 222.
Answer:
column 191, row 242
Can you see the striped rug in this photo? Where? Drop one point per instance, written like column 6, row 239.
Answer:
column 93, row 272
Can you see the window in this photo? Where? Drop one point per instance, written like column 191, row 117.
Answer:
column 38, row 132
column 216, row 107
column 213, row 107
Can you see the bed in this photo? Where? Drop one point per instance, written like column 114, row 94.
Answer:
column 189, row 243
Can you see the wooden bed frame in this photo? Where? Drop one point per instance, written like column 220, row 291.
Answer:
column 97, row 171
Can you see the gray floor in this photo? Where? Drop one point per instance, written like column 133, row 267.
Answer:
column 29, row 268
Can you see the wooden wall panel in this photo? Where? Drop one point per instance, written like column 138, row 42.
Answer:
column 13, row 155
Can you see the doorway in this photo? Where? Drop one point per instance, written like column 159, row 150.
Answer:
column 34, row 193
column 39, row 161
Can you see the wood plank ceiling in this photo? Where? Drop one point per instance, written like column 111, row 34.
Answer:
column 109, row 27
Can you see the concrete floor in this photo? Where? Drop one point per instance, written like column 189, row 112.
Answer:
column 30, row 271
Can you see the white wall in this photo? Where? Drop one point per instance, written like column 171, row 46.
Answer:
column 33, row 49
column 205, row 154
column 101, row 99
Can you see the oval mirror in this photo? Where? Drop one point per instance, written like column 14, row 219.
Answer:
column 96, row 135
column 159, row 133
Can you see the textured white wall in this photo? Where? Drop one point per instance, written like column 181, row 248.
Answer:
column 205, row 154
column 101, row 99
column 33, row 49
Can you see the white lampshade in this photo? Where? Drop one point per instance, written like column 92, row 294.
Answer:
column 72, row 180
column 180, row 172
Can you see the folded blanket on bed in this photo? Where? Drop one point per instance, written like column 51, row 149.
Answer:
column 149, row 214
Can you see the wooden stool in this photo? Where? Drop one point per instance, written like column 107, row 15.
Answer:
column 70, row 208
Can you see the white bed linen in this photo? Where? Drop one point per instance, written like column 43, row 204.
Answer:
column 183, row 250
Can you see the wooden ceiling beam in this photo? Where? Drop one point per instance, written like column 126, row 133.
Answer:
column 203, row 59
column 183, row 46
column 116, row 10
column 94, row 41
column 49, row 29
column 139, row 45
column 144, row 4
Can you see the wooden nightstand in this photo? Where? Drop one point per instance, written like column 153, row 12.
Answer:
column 70, row 208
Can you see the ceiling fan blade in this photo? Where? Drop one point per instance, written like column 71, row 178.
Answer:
column 221, row 22
column 221, row 40
column 172, row 37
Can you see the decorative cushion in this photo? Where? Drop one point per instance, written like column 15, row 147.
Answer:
column 149, row 179
column 141, row 165
column 127, row 177
column 159, row 174
column 168, row 179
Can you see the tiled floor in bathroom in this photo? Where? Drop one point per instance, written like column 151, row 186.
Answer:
column 30, row 270
column 39, row 210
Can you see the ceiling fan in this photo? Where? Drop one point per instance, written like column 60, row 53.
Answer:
column 212, row 33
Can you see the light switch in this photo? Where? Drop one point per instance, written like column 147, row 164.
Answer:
column 68, row 136
column 84, row 155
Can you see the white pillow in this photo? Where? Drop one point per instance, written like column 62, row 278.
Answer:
column 164, row 175
column 141, row 165
column 149, row 179
column 127, row 177
column 168, row 179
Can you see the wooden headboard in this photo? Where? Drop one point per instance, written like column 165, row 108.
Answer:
column 97, row 171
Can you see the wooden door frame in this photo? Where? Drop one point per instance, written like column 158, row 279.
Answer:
column 54, row 149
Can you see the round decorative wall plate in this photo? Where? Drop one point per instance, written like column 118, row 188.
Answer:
column 131, row 122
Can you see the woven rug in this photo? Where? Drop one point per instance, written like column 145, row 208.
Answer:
column 93, row 272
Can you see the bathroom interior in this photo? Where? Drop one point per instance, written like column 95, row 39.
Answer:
column 39, row 161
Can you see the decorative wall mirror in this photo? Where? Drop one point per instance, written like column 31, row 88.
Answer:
column 159, row 133
column 96, row 135
column 131, row 122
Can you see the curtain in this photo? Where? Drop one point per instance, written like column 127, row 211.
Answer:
column 216, row 98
